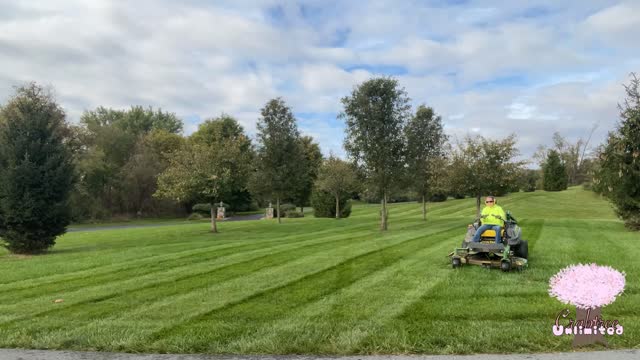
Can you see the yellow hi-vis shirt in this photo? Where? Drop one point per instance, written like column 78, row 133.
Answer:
column 491, row 212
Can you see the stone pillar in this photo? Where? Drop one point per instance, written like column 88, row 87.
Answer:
column 269, row 214
column 221, row 211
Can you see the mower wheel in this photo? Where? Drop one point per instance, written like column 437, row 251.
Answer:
column 455, row 262
column 505, row 265
column 523, row 249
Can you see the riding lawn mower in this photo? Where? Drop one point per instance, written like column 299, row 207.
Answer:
column 511, row 253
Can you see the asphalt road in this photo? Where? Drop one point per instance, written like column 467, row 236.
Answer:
column 11, row 354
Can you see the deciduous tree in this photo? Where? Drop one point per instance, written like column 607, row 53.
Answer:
column 338, row 178
column 425, row 143
column 376, row 114
column 280, row 155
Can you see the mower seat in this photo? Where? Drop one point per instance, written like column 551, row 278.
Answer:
column 492, row 233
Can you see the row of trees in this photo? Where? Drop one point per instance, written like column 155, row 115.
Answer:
column 136, row 162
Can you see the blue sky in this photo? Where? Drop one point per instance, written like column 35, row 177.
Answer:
column 487, row 67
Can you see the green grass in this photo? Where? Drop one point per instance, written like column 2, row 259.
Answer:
column 315, row 285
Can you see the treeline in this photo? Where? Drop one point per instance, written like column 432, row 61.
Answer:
column 137, row 163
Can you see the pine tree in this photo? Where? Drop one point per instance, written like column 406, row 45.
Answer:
column 555, row 175
column 618, row 176
column 36, row 171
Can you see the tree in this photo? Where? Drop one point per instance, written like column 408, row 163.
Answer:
column 112, row 162
column 528, row 180
column 203, row 172
column 555, row 175
column 618, row 174
column 215, row 132
column 425, row 143
column 573, row 156
column 280, row 156
column 308, row 171
column 486, row 167
column 375, row 114
column 338, row 178
column 36, row 171
column 140, row 173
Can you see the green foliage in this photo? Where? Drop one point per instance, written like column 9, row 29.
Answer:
column 280, row 161
column 554, row 173
column 308, row 172
column 481, row 166
column 36, row 171
column 425, row 145
column 337, row 178
column 438, row 197
column 284, row 208
column 528, row 180
column 195, row 216
column 214, row 131
column 293, row 214
column 376, row 114
column 120, row 155
column 618, row 175
column 324, row 204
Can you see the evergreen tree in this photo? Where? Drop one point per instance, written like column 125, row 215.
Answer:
column 555, row 175
column 36, row 171
column 618, row 176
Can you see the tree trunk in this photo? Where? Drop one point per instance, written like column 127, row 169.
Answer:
column 278, row 208
column 383, row 223
column 214, row 225
column 424, row 208
column 302, row 210
column 586, row 315
column 478, row 202
column 337, row 207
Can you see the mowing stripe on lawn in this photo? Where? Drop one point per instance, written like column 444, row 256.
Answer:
column 74, row 311
column 297, row 293
column 104, row 273
column 241, row 289
column 206, row 268
column 343, row 314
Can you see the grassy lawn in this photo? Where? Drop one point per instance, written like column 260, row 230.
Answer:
column 315, row 285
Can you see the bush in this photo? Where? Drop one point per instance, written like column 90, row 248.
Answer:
column 284, row 208
column 438, row 197
column 458, row 196
column 324, row 205
column 195, row 216
column 293, row 214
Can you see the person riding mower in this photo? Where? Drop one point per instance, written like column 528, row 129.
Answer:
column 493, row 245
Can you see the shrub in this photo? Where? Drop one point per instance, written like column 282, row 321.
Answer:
column 195, row 216
column 438, row 197
column 324, row 205
column 284, row 208
column 458, row 196
column 293, row 214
